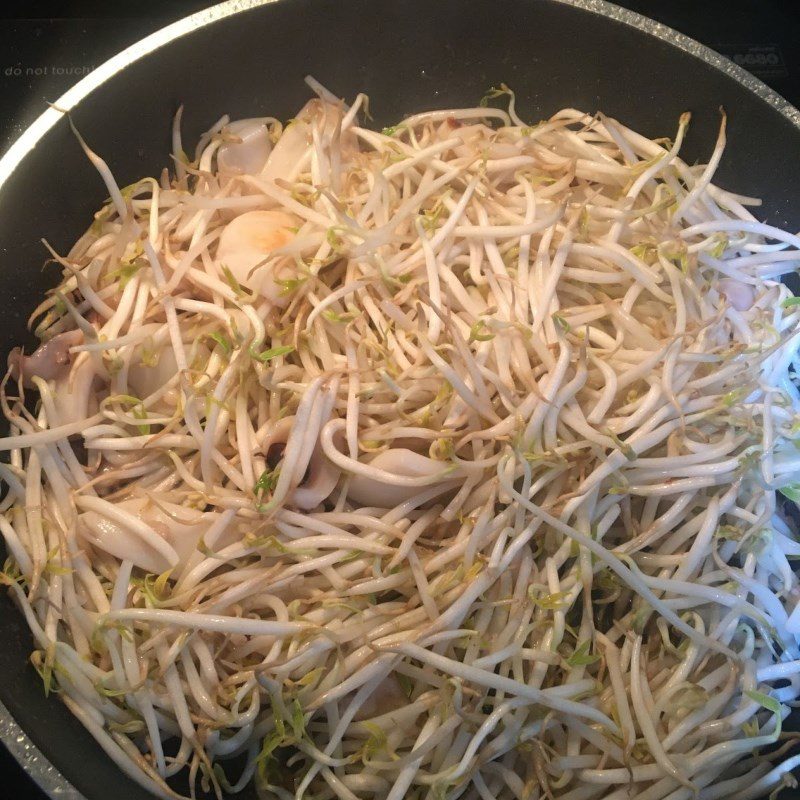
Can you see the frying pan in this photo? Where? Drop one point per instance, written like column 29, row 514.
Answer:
column 249, row 58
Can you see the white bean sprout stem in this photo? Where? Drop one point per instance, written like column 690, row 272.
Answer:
column 446, row 461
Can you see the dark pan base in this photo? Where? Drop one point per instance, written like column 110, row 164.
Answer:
column 408, row 56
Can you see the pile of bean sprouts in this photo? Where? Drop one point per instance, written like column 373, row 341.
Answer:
column 437, row 462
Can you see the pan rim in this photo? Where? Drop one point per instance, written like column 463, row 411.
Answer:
column 33, row 761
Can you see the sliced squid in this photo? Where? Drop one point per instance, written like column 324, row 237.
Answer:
column 296, row 140
column 275, row 435
column 50, row 361
column 317, row 484
column 249, row 154
column 246, row 244
column 146, row 378
column 387, row 697
column 740, row 295
column 249, row 239
column 398, row 461
column 72, row 377
column 75, row 394
column 180, row 527
column 320, row 478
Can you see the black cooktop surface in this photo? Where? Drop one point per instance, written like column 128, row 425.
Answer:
column 46, row 47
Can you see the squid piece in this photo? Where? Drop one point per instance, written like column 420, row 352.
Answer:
column 387, row 697
column 249, row 154
column 398, row 461
column 50, row 361
column 75, row 394
column 296, row 140
column 145, row 379
column 72, row 377
column 179, row 527
column 246, row 244
column 249, row 239
column 320, row 478
column 317, row 484
column 740, row 295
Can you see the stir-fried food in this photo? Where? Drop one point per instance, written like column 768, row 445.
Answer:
column 442, row 461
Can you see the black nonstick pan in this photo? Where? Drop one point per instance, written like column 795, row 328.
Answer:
column 249, row 58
